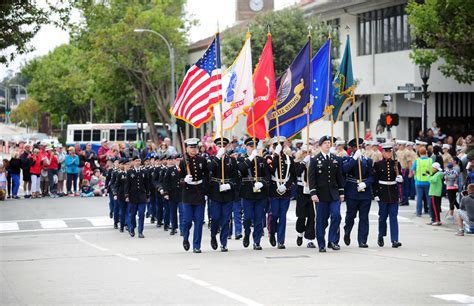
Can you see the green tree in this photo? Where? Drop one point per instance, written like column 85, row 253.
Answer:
column 27, row 112
column 444, row 29
column 289, row 29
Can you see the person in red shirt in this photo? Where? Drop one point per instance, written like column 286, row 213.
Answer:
column 53, row 166
column 35, row 171
column 87, row 171
column 104, row 148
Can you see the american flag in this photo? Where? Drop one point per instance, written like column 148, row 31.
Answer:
column 201, row 88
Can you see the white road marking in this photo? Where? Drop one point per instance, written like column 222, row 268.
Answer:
column 95, row 246
column 65, row 219
column 219, row 290
column 101, row 221
column 127, row 257
column 10, row 226
column 53, row 229
column 53, row 224
column 460, row 298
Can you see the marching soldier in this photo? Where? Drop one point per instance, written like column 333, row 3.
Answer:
column 305, row 209
column 136, row 194
column 165, row 207
column 171, row 190
column 109, row 182
column 118, row 189
column 386, row 177
column 282, row 171
column 254, row 192
column 376, row 154
column 340, row 152
column 195, row 175
column 151, row 205
column 326, row 185
column 358, row 193
column 221, row 192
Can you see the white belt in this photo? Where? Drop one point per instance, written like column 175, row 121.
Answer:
column 279, row 181
column 387, row 182
column 195, row 182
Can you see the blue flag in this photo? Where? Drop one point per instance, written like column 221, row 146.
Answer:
column 293, row 91
column 343, row 83
column 321, row 88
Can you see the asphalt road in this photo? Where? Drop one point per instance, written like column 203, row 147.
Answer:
column 65, row 251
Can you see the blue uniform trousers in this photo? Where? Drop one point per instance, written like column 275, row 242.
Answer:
column 133, row 209
column 253, row 214
column 166, row 213
column 237, row 216
column 193, row 214
column 181, row 217
column 362, row 207
column 117, row 213
column 173, row 207
column 324, row 210
column 123, row 212
column 220, row 215
column 279, row 208
column 159, row 210
column 388, row 210
column 405, row 186
column 111, row 202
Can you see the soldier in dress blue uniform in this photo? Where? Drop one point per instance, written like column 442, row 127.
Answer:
column 136, row 194
column 221, row 192
column 386, row 176
column 151, row 205
column 171, row 190
column 358, row 193
column 326, row 185
column 254, row 192
column 118, row 189
column 282, row 171
column 305, row 208
column 194, row 173
column 164, row 207
column 108, row 180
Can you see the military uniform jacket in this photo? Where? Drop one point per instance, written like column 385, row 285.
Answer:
column 231, row 176
column 194, row 193
column 288, row 176
column 171, row 184
column 137, row 186
column 247, row 173
column 385, row 186
column 350, row 168
column 119, row 185
column 301, row 177
column 325, row 178
column 149, row 177
column 108, row 177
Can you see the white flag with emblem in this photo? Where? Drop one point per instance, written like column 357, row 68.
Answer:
column 237, row 90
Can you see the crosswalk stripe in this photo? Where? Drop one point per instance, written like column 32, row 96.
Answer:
column 53, row 224
column 10, row 226
column 101, row 221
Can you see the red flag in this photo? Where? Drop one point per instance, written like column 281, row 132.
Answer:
column 264, row 94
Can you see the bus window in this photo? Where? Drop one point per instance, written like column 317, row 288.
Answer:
column 131, row 135
column 120, row 135
column 86, row 135
column 112, row 135
column 77, row 135
column 95, row 135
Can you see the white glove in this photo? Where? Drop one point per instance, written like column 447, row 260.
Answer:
column 253, row 154
column 162, row 192
column 399, row 179
column 315, row 198
column 258, row 185
column 278, row 149
column 332, row 150
column 224, row 187
column 115, row 197
column 282, row 188
column 361, row 186
column 188, row 178
column 357, row 155
column 166, row 197
column 220, row 153
column 377, row 199
column 306, row 159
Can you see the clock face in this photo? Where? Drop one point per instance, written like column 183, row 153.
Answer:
column 256, row 5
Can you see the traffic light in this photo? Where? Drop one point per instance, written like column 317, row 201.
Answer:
column 388, row 119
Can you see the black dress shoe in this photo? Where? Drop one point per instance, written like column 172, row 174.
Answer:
column 166, row 228
column 311, row 245
column 237, row 237
column 322, row 250
column 147, row 215
column 186, row 245
column 347, row 240
column 140, row 235
column 246, row 241
column 273, row 240
column 152, row 220
column 115, row 226
column 173, row 232
column 214, row 243
column 334, row 246
column 281, row 246
column 257, row 247
column 299, row 241
column 121, row 229
column 396, row 244
column 380, row 242
column 111, row 215
column 132, row 233
column 363, row 245
column 197, row 251
column 159, row 224
column 224, row 249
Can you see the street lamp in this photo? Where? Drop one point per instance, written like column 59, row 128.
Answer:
column 425, row 75
column 173, row 94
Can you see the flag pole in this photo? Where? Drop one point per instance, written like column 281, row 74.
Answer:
column 310, row 98
column 278, row 130
column 253, row 127
column 218, row 47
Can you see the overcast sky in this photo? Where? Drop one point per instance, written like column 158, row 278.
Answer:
column 208, row 12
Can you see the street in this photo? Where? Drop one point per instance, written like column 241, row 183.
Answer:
column 65, row 251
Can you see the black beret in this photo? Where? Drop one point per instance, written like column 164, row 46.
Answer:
column 218, row 141
column 326, row 138
column 353, row 143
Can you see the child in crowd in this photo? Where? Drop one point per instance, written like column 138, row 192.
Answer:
column 96, row 183
column 86, row 189
column 87, row 171
column 436, row 187
column 3, row 182
column 451, row 180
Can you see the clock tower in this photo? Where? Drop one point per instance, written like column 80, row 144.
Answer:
column 248, row 9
